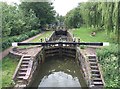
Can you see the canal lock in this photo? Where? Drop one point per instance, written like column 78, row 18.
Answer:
column 56, row 55
column 58, row 65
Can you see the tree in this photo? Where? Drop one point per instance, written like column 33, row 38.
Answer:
column 73, row 19
column 97, row 15
column 26, row 22
column 6, row 16
column 60, row 19
column 15, row 22
column 43, row 10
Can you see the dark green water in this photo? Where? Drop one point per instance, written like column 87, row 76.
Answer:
column 58, row 72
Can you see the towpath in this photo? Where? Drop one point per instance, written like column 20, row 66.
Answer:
column 6, row 52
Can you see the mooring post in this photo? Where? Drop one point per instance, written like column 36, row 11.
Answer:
column 46, row 39
column 79, row 40
column 74, row 39
column 41, row 39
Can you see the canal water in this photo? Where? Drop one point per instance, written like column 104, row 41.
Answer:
column 58, row 72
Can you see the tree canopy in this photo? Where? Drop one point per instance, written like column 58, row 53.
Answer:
column 43, row 10
column 97, row 15
column 15, row 22
column 19, row 19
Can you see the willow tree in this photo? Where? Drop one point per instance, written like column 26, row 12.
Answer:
column 85, row 12
column 110, row 17
column 100, row 16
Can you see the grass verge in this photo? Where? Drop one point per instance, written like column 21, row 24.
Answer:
column 108, row 58
column 42, row 36
column 85, row 35
column 9, row 64
column 37, row 39
column 8, row 67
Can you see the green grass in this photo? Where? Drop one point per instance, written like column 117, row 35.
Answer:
column 9, row 64
column 8, row 67
column 42, row 36
column 107, row 55
column 108, row 58
column 85, row 35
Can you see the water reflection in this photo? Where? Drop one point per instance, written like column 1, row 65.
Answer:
column 59, row 79
column 58, row 72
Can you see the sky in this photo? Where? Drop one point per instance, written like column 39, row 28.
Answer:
column 61, row 6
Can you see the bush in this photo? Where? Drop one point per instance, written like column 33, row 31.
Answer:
column 108, row 58
column 32, row 33
column 7, row 43
column 82, row 46
column 23, row 37
column 107, row 51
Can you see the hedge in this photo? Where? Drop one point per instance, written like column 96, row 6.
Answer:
column 7, row 43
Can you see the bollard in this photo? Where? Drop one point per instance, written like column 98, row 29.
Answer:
column 46, row 39
column 41, row 39
column 74, row 39
column 78, row 40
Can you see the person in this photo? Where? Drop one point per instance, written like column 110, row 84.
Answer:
column 93, row 34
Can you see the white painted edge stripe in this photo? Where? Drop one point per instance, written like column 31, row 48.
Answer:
column 106, row 44
column 14, row 44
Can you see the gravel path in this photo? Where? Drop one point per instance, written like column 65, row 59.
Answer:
column 6, row 52
column 89, row 51
column 32, row 51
